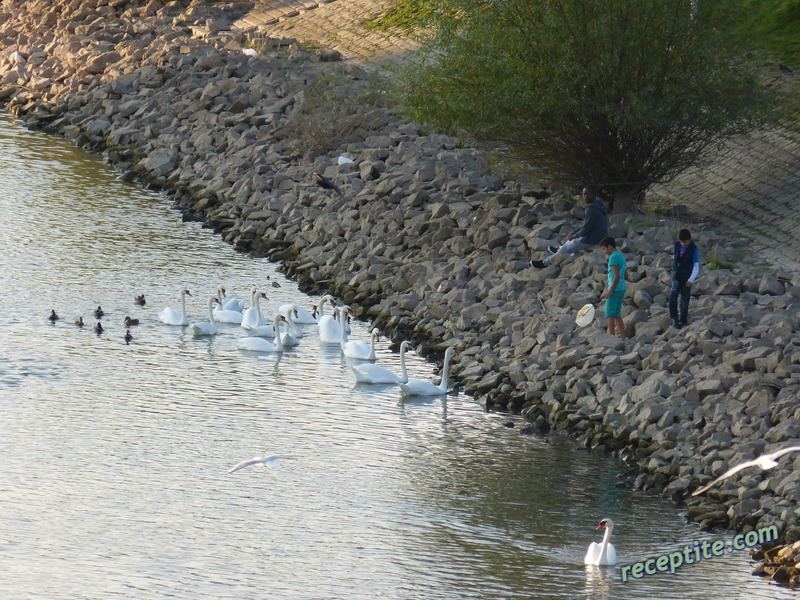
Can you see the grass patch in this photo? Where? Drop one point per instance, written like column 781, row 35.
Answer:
column 403, row 15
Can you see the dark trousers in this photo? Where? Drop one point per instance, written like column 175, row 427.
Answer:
column 679, row 288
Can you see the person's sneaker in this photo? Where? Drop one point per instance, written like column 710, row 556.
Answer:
column 538, row 264
column 682, row 323
column 552, row 249
column 677, row 324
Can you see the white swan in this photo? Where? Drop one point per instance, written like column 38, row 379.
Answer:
column 302, row 316
column 421, row 387
column 259, row 344
column 223, row 315
column 253, row 317
column 292, row 335
column 372, row 373
column 330, row 331
column 359, row 349
column 170, row 316
column 228, row 303
column 604, row 552
column 204, row 328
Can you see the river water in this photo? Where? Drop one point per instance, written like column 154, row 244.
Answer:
column 114, row 456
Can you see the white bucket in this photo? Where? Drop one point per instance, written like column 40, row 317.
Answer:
column 585, row 315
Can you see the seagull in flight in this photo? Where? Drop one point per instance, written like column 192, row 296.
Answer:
column 264, row 461
column 765, row 461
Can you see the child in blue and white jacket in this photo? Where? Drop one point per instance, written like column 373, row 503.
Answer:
column 685, row 267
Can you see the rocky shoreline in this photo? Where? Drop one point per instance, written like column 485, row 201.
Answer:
column 428, row 244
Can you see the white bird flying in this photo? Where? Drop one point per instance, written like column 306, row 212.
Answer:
column 264, row 461
column 765, row 461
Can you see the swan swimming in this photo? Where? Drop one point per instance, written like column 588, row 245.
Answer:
column 204, row 328
column 330, row 330
column 259, row 344
column 229, row 303
column 602, row 554
column 264, row 461
column 421, row 387
column 372, row 373
column 253, row 317
column 292, row 335
column 170, row 316
column 765, row 461
column 357, row 348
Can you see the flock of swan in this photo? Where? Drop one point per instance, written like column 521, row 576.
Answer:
column 285, row 328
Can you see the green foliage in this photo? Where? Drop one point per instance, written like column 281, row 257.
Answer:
column 405, row 15
column 770, row 25
column 619, row 94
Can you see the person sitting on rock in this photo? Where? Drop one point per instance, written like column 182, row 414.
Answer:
column 594, row 229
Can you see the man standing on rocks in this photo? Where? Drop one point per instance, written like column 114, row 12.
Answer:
column 594, row 229
column 685, row 267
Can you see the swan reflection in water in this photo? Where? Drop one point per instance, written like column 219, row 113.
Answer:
column 597, row 585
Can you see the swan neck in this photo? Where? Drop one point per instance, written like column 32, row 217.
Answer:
column 403, row 361
column 445, row 371
column 211, row 311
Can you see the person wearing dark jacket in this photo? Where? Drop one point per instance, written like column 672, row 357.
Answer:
column 594, row 229
column 685, row 267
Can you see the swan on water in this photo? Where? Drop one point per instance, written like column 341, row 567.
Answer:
column 98, row 328
column 292, row 335
column 53, row 316
column 765, row 462
column 98, row 312
column 357, row 348
column 330, row 331
column 372, row 373
column 421, row 387
column 79, row 322
column 229, row 303
column 170, row 316
column 264, row 461
column 259, row 344
column 206, row 328
column 253, row 317
column 128, row 337
column 603, row 553
column 140, row 300
column 301, row 317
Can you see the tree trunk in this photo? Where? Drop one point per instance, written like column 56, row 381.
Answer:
column 624, row 200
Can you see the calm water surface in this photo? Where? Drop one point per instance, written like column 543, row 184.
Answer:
column 113, row 479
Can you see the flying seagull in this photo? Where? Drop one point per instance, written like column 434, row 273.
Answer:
column 765, row 461
column 264, row 461
column 326, row 183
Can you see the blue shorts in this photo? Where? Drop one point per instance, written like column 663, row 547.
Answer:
column 614, row 304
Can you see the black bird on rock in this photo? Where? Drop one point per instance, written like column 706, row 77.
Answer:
column 326, row 184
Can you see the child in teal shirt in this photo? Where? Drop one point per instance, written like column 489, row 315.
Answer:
column 615, row 291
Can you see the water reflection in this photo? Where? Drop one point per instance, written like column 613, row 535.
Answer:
column 113, row 481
